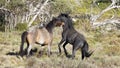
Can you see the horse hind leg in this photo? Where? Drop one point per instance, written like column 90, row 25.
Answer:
column 49, row 50
column 75, row 48
column 23, row 38
column 21, row 49
column 60, row 45
column 73, row 53
column 26, row 47
column 29, row 49
column 83, row 53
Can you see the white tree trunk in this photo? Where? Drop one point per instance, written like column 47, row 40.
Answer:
column 111, row 6
column 41, row 8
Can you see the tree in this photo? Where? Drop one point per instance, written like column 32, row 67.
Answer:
column 38, row 12
column 113, row 5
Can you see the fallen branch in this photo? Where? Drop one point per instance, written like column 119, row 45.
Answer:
column 113, row 22
column 111, row 6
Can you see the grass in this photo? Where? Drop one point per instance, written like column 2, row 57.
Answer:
column 106, row 55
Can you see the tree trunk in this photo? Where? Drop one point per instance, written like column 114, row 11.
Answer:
column 34, row 17
column 111, row 6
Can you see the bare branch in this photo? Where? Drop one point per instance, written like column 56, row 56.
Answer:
column 41, row 8
column 111, row 6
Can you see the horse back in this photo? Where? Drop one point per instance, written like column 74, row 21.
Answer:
column 72, row 35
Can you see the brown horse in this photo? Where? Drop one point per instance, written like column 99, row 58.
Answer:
column 42, row 35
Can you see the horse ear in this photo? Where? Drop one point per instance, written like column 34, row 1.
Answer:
column 63, row 14
column 66, row 15
column 68, row 12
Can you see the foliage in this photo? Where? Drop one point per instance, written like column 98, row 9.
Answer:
column 103, row 1
column 21, row 26
column 34, row 23
column 105, row 44
column 112, row 50
column 59, row 6
column 2, row 2
column 83, row 24
column 22, row 8
column 2, row 17
column 2, row 28
column 17, row 6
column 105, row 55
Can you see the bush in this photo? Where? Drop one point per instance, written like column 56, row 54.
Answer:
column 35, row 23
column 21, row 26
column 83, row 24
column 112, row 50
column 2, row 28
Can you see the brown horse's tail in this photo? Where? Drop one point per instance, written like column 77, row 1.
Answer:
column 23, row 39
column 85, row 52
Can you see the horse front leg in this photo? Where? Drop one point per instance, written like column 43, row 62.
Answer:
column 21, row 50
column 66, row 53
column 25, row 52
column 59, row 45
column 49, row 50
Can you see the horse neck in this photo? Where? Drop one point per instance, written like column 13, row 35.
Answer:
column 70, row 23
column 68, row 26
column 50, row 26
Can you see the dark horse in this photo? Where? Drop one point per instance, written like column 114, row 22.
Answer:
column 42, row 35
column 70, row 35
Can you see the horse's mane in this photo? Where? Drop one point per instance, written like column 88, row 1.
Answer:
column 51, row 23
column 68, row 19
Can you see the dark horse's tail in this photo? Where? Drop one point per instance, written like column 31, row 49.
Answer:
column 85, row 52
column 23, row 39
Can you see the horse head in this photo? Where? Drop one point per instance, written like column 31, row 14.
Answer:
column 42, row 25
column 57, row 22
column 66, row 19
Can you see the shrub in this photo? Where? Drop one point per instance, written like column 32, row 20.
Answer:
column 2, row 28
column 112, row 50
column 83, row 24
column 35, row 23
column 21, row 26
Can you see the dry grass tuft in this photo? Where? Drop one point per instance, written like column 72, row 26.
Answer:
column 106, row 55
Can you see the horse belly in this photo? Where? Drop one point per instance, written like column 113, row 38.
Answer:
column 42, row 40
column 43, row 37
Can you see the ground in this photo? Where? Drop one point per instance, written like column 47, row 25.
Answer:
column 106, row 46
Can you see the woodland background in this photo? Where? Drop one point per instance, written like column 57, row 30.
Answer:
column 97, row 20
